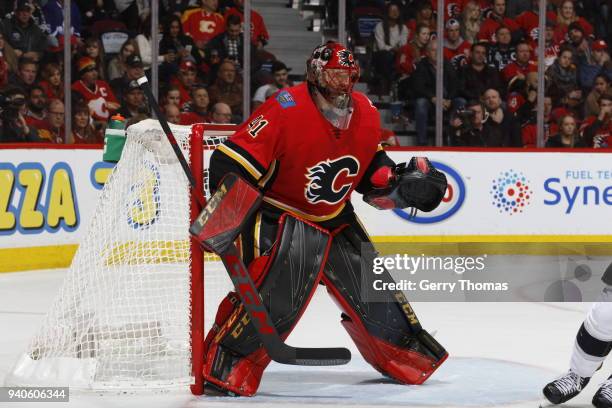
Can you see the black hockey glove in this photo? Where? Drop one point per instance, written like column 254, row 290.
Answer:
column 418, row 185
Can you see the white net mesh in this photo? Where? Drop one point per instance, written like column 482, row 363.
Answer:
column 122, row 317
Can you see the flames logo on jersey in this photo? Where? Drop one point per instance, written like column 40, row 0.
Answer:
column 324, row 176
column 345, row 58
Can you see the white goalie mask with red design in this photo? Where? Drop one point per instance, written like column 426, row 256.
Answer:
column 333, row 71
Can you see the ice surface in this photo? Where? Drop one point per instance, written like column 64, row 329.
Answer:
column 502, row 354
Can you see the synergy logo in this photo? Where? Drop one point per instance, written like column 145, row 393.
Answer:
column 452, row 201
column 511, row 192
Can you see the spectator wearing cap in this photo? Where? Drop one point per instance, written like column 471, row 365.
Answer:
column 134, row 69
column 496, row 18
column 54, row 15
column 522, row 66
column 185, row 79
column 598, row 64
column 456, row 49
column 52, row 81
column 221, row 113
column 476, row 76
column 196, row 110
column 502, row 52
column 424, row 15
column 204, row 23
column 597, row 130
column 280, row 74
column 561, row 75
column 551, row 44
column 83, row 131
column 601, row 86
column 568, row 136
column 25, row 77
column 133, row 102
column 566, row 15
column 570, row 103
column 528, row 22
column 579, row 44
column 259, row 32
column 23, row 34
column 97, row 93
column 227, row 88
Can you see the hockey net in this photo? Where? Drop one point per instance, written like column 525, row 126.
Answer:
column 125, row 317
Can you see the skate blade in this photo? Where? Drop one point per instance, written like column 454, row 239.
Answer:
column 544, row 403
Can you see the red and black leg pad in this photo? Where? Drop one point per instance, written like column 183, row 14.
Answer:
column 387, row 332
column 286, row 279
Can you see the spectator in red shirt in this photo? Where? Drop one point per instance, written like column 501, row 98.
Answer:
column 566, row 15
column 528, row 21
column 196, row 110
column 456, row 49
column 82, row 129
column 424, row 16
column 37, row 107
column 497, row 17
column 203, row 24
column 97, row 94
column 259, row 32
column 52, row 81
column 522, row 66
column 184, row 80
column 551, row 52
column 597, row 131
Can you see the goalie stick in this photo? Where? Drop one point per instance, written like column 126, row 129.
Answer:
column 275, row 347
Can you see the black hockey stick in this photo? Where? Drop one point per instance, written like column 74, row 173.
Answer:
column 276, row 349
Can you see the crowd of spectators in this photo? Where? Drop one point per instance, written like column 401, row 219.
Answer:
column 199, row 62
column 491, row 69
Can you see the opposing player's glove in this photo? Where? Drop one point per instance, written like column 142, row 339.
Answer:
column 418, row 185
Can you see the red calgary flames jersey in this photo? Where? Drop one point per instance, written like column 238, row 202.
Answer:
column 305, row 165
column 202, row 25
column 97, row 99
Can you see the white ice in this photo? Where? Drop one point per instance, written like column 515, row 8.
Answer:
column 502, row 354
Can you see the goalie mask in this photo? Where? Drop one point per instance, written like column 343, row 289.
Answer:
column 332, row 72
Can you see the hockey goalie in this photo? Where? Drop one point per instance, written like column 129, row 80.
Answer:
column 307, row 148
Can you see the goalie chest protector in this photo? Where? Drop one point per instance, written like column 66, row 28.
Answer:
column 306, row 166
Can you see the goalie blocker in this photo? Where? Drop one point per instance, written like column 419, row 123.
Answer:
column 288, row 258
